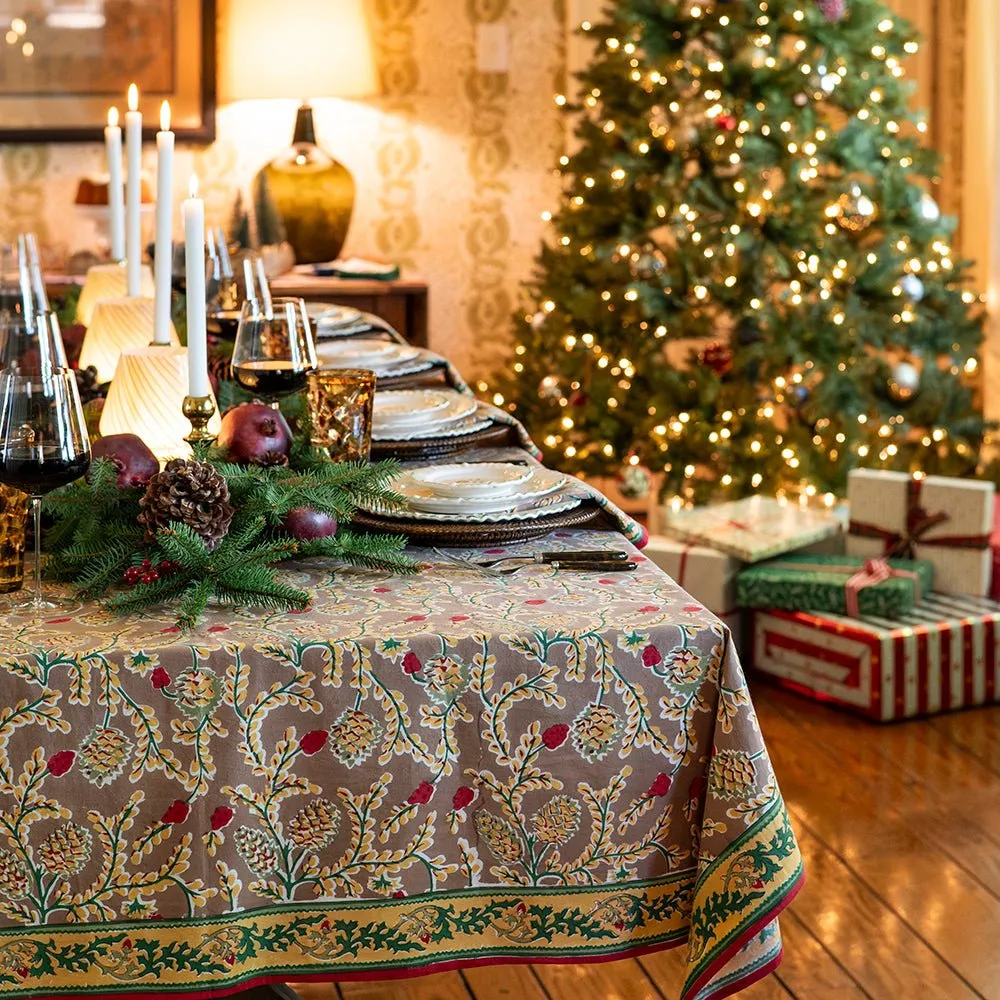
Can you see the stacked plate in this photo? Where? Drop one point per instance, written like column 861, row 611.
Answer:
column 383, row 357
column 481, row 492
column 334, row 321
column 418, row 414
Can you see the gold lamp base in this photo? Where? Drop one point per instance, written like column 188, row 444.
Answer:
column 311, row 193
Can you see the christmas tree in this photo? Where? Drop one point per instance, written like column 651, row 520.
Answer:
column 749, row 285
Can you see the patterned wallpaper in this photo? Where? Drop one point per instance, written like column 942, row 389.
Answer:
column 453, row 166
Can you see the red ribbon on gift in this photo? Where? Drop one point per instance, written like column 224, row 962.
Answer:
column 900, row 544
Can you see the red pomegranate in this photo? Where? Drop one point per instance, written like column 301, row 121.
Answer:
column 254, row 434
column 131, row 457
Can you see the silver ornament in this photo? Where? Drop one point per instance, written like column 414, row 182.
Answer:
column 550, row 388
column 903, row 381
column 913, row 286
column 929, row 209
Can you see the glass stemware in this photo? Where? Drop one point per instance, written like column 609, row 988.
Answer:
column 274, row 350
column 43, row 444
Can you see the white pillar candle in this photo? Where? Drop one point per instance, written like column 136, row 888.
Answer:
column 164, row 225
column 133, row 202
column 193, row 211
column 116, row 189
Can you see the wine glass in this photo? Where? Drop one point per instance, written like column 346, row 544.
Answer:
column 43, row 444
column 274, row 350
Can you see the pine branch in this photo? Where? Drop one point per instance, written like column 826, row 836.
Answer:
column 370, row 551
column 193, row 602
column 106, row 570
column 182, row 544
column 146, row 595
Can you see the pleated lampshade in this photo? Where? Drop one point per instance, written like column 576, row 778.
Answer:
column 107, row 281
column 145, row 399
column 118, row 325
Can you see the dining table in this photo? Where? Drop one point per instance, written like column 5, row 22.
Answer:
column 456, row 766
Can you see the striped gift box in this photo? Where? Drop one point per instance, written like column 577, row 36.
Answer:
column 940, row 656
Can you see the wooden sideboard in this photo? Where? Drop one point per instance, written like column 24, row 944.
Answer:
column 402, row 303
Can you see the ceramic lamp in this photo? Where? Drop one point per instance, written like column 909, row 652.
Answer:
column 107, row 281
column 311, row 193
column 118, row 325
column 146, row 397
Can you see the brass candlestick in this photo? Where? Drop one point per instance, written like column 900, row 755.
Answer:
column 199, row 410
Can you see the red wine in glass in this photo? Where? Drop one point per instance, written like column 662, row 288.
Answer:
column 270, row 378
column 42, row 472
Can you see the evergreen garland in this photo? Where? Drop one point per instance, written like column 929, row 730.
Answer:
column 96, row 537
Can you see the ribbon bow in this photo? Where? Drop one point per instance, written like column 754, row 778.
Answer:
column 875, row 571
column 918, row 521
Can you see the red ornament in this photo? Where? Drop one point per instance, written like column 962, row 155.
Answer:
column 726, row 122
column 222, row 817
column 313, row 742
column 422, row 794
column 463, row 797
column 717, row 357
column 177, row 812
column 160, row 678
column 555, row 736
column 61, row 762
column 651, row 656
column 660, row 786
column 832, row 10
column 579, row 398
column 411, row 664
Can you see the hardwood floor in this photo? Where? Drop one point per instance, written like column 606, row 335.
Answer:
column 900, row 829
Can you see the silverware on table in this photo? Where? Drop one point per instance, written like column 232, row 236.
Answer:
column 594, row 561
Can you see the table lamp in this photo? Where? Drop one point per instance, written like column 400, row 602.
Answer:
column 118, row 325
column 146, row 397
column 107, row 281
column 304, row 50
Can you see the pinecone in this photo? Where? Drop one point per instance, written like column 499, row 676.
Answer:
column 255, row 848
column 220, row 367
column 315, row 825
column 103, row 755
column 13, row 877
column 500, row 837
column 192, row 493
column 271, row 458
column 732, row 774
column 557, row 820
column 66, row 850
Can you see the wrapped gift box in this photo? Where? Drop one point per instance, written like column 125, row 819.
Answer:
column 708, row 575
column 946, row 521
column 825, row 583
column 995, row 551
column 755, row 528
column 943, row 655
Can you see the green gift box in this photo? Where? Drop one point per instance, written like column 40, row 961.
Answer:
column 842, row 585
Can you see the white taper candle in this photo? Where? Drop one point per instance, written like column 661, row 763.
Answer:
column 193, row 211
column 164, row 226
column 116, row 188
column 133, row 193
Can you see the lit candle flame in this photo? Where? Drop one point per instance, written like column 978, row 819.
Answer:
column 133, row 97
column 113, row 117
column 193, row 186
column 165, row 116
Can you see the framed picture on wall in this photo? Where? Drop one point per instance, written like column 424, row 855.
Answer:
column 63, row 63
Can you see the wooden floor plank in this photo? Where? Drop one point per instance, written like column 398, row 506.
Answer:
column 667, row 969
column 504, row 982
column 605, row 980
column 438, row 986
column 977, row 732
column 809, row 971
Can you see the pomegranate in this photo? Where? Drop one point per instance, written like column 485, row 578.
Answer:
column 306, row 523
column 133, row 460
column 254, row 434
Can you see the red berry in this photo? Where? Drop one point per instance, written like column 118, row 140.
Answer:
column 145, row 564
column 166, row 567
column 313, row 742
column 421, row 794
column 61, row 762
column 132, row 575
column 660, row 786
column 555, row 736
column 463, row 797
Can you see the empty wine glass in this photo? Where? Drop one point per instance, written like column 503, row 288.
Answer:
column 31, row 348
column 274, row 350
column 43, row 444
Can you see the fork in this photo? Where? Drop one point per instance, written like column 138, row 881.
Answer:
column 618, row 564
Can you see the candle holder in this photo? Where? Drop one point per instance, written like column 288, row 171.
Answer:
column 199, row 410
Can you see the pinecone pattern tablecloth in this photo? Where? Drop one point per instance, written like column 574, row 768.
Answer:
column 415, row 773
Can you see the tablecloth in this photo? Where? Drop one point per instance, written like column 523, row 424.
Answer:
column 417, row 773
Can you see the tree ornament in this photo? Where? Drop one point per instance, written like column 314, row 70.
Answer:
column 718, row 357
column 801, row 100
column 647, row 263
column 726, row 123
column 904, row 380
column 913, row 286
column 829, row 82
column 538, row 320
column 929, row 209
column 579, row 398
column 855, row 211
column 634, row 482
column 191, row 493
column 832, row 10
column 551, row 388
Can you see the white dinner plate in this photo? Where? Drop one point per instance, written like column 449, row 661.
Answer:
column 537, row 488
column 325, row 314
column 556, row 503
column 464, row 480
column 378, row 355
column 425, row 411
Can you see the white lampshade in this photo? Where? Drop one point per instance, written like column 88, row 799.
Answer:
column 118, row 325
column 107, row 281
column 146, row 397
column 301, row 49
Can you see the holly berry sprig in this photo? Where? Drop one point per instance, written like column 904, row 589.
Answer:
column 146, row 572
